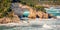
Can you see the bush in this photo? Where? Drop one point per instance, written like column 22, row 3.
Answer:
column 24, row 3
column 4, row 7
column 40, row 8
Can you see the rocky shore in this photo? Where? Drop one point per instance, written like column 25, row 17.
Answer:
column 6, row 20
column 32, row 15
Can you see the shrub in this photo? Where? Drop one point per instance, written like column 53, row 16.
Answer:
column 40, row 8
column 4, row 7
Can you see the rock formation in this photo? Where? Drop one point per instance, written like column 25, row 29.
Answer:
column 32, row 15
column 33, row 12
column 6, row 20
column 40, row 14
column 45, row 15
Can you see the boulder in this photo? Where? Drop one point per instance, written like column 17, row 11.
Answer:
column 45, row 15
column 40, row 14
column 16, row 19
column 32, row 14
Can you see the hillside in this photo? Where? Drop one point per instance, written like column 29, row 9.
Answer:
column 52, row 2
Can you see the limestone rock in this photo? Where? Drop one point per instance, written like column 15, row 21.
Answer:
column 45, row 16
column 32, row 15
column 16, row 19
column 40, row 14
column 6, row 20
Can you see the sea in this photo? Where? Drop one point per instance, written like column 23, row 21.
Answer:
column 36, row 25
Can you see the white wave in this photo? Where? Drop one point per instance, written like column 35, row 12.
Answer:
column 58, row 16
column 47, row 26
column 10, row 24
column 31, row 22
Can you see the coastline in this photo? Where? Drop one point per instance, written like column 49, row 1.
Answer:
column 31, row 22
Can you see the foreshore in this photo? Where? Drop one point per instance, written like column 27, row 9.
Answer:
column 31, row 22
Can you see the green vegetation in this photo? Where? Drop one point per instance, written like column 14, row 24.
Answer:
column 40, row 8
column 55, row 2
column 33, row 3
column 4, row 7
column 28, row 2
column 6, row 11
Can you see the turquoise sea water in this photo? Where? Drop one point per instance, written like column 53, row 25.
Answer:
column 55, row 11
column 26, row 13
column 55, row 14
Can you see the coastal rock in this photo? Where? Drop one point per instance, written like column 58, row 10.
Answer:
column 32, row 15
column 42, row 15
column 45, row 15
column 16, row 19
column 6, row 20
